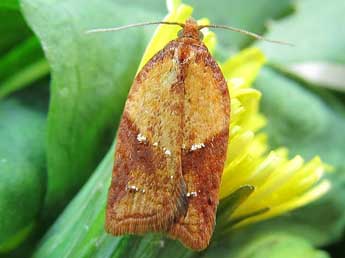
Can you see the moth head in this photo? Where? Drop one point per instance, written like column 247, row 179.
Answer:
column 191, row 30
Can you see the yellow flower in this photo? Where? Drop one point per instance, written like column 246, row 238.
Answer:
column 279, row 184
column 261, row 183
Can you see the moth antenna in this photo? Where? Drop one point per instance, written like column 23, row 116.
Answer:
column 251, row 34
column 133, row 25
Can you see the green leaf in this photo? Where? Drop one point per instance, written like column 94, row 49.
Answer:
column 79, row 231
column 9, row 4
column 91, row 75
column 314, row 29
column 22, row 171
column 309, row 122
column 13, row 28
column 271, row 245
column 22, row 66
column 25, row 77
column 21, row 57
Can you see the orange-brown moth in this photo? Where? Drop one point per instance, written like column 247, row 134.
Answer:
column 172, row 143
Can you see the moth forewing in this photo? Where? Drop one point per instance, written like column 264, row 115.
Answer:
column 148, row 192
column 205, row 138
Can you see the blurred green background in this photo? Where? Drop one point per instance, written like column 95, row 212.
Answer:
column 62, row 94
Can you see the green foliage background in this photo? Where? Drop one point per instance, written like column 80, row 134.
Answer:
column 61, row 97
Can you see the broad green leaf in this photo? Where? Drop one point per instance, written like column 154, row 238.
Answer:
column 306, row 121
column 91, row 75
column 9, row 4
column 79, row 231
column 22, row 170
column 315, row 28
column 271, row 245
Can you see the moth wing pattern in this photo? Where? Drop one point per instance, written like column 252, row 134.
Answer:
column 148, row 192
column 205, row 138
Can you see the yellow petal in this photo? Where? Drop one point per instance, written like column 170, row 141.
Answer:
column 295, row 203
column 241, row 70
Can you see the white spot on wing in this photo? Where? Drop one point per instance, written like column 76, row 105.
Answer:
column 132, row 188
column 167, row 151
column 141, row 138
column 192, row 194
column 197, row 146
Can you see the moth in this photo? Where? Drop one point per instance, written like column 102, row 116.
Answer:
column 172, row 144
